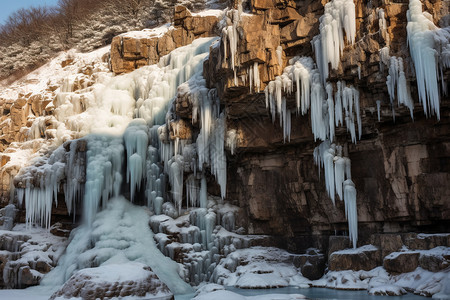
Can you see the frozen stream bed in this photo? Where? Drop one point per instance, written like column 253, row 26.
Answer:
column 310, row 293
column 293, row 292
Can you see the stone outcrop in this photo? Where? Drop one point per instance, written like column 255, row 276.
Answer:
column 404, row 188
column 401, row 262
column 130, row 51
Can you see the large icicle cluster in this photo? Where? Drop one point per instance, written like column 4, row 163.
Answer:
column 41, row 182
column 339, row 17
column 299, row 71
column 422, row 49
column 326, row 112
column 338, row 180
column 106, row 111
column 230, row 38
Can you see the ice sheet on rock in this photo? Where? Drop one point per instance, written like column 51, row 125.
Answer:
column 103, row 173
column 119, row 234
column 136, row 142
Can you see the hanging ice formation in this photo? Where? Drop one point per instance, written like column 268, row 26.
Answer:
column 396, row 81
column 383, row 26
column 338, row 180
column 422, row 48
column 230, row 39
column 107, row 115
column 339, row 17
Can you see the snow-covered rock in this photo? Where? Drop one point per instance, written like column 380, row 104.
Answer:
column 114, row 280
column 27, row 255
column 259, row 267
column 387, row 290
column 363, row 258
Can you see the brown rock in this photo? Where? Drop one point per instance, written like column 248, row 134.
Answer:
column 301, row 28
column 181, row 129
column 180, row 13
column 87, row 284
column 282, row 16
column 312, row 265
column 129, row 52
column 263, row 4
column 337, row 243
column 26, row 277
column 388, row 243
column 401, row 262
column 358, row 259
column 434, row 263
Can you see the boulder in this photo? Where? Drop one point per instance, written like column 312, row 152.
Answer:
column 312, row 264
column 401, row 262
column 114, row 281
column 434, row 263
column 362, row 258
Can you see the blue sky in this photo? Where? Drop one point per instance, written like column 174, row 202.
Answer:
column 10, row 6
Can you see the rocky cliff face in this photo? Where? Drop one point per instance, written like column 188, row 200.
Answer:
column 400, row 168
column 400, row 163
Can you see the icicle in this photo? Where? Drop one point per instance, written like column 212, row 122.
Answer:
column 256, row 77
column 279, row 53
column 379, row 110
column 339, row 174
column 350, row 210
column 176, row 171
column 192, row 191
column 231, row 140
column 330, row 104
column 403, row 89
column 383, row 26
column 338, row 105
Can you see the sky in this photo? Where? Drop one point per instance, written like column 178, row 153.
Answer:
column 10, row 6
